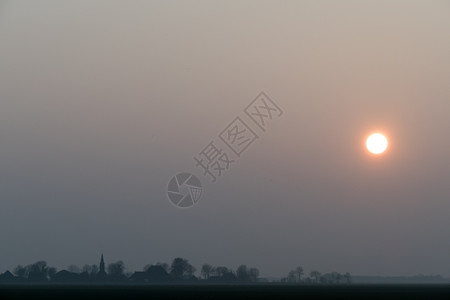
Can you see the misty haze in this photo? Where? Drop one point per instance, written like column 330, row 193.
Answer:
column 265, row 134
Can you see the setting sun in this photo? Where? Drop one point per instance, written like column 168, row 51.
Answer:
column 376, row 143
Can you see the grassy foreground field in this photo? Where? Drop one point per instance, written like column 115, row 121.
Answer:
column 266, row 291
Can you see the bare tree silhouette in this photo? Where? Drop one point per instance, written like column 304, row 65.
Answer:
column 207, row 270
column 299, row 272
column 181, row 267
column 73, row 269
column 348, row 278
column 116, row 271
column 315, row 275
column 91, row 270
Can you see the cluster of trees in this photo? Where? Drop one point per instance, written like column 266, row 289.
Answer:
column 182, row 269
column 41, row 272
column 242, row 273
column 179, row 270
column 315, row 277
column 38, row 271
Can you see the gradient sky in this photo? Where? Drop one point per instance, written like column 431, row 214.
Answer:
column 102, row 102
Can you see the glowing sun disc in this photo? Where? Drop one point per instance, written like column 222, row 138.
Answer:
column 376, row 143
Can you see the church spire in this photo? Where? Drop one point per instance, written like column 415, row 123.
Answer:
column 102, row 271
column 102, row 264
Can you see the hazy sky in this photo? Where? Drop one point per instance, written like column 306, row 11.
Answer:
column 102, row 102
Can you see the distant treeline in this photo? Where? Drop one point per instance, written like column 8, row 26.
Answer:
column 179, row 271
column 315, row 277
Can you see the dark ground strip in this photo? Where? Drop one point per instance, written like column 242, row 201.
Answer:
column 225, row 292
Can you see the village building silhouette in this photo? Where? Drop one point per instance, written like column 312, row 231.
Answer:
column 40, row 273
column 180, row 271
